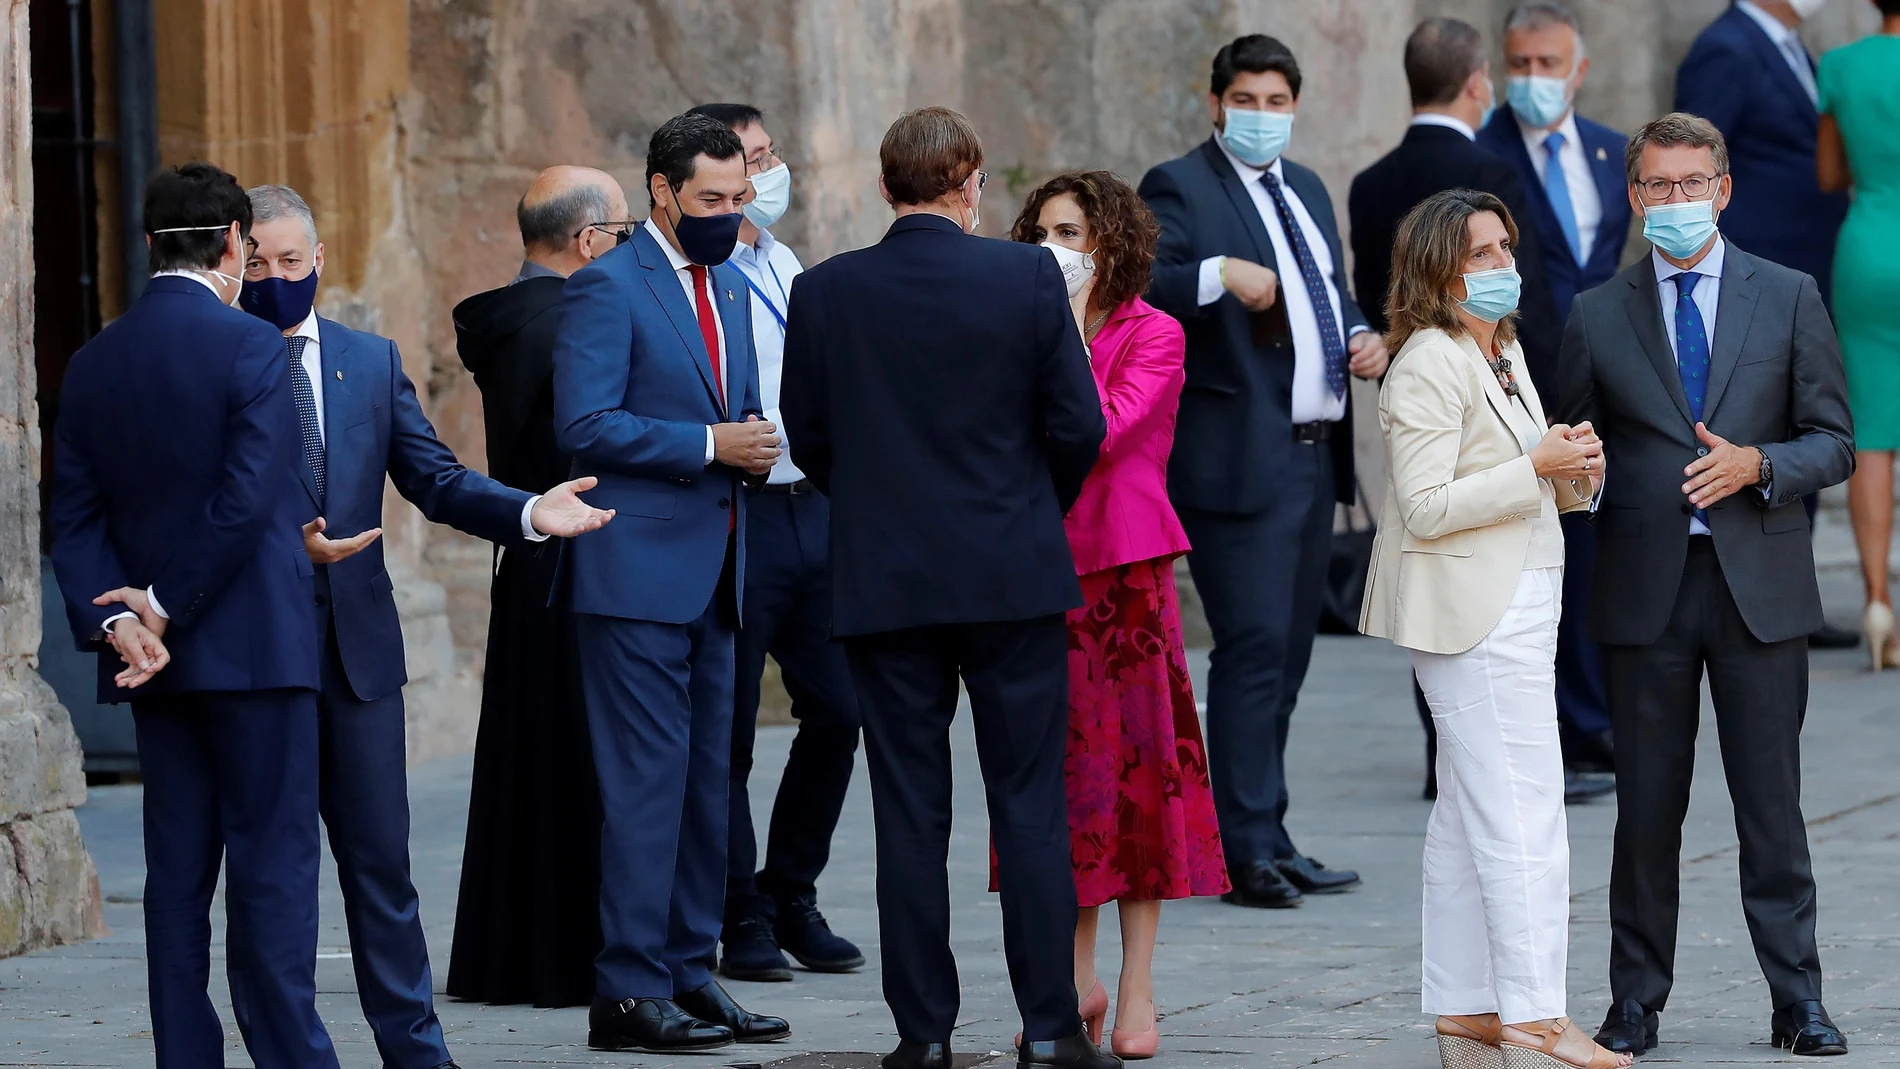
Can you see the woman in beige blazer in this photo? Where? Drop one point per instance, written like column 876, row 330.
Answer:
column 1467, row 573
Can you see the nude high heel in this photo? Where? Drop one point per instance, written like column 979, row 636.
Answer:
column 1878, row 625
column 1470, row 1042
column 1137, row 1045
column 1535, row 1047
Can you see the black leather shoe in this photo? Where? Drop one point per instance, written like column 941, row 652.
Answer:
column 803, row 933
column 1313, row 878
column 1629, row 1028
column 1075, row 1052
column 650, row 1024
column 1804, row 1028
column 1579, row 788
column 1830, row 637
column 913, row 1055
column 752, row 953
column 712, row 1005
column 1259, row 884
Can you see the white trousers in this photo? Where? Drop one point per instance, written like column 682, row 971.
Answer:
column 1497, row 850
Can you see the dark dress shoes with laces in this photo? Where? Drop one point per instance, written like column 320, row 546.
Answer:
column 712, row 1005
column 803, row 933
column 752, row 952
column 1075, row 1052
column 1629, row 1028
column 1260, row 885
column 913, row 1055
column 1313, row 878
column 1804, row 1028
column 657, row 1025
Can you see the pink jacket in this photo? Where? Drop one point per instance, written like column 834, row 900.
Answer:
column 1123, row 514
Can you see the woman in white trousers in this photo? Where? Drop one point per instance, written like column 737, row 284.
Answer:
column 1467, row 573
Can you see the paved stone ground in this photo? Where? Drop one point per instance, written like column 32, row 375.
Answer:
column 1335, row 981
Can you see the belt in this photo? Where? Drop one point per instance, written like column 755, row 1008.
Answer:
column 1313, row 433
column 797, row 489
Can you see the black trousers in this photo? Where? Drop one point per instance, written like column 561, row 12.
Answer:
column 1017, row 674
column 788, row 615
column 1760, row 690
column 1259, row 577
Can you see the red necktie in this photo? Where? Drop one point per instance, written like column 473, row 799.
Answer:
column 708, row 330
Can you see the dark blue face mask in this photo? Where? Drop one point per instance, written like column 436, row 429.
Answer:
column 281, row 302
column 707, row 240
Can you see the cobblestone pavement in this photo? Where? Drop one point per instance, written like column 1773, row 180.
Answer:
column 1335, row 981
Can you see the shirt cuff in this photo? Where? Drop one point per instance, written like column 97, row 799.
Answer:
column 115, row 618
column 1211, row 286
column 527, row 521
column 151, row 598
column 711, row 450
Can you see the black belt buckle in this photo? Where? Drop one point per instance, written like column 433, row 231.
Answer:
column 1312, row 433
column 797, row 489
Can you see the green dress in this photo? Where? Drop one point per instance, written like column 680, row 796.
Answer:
column 1860, row 89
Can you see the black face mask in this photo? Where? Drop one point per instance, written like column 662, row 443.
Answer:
column 707, row 240
column 621, row 237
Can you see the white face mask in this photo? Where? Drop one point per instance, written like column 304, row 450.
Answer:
column 1077, row 267
column 237, row 284
column 771, row 195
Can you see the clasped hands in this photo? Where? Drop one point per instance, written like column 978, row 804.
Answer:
column 754, row 445
column 1569, row 452
column 1257, row 287
column 137, row 640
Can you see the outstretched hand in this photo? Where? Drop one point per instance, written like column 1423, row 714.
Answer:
column 322, row 550
column 562, row 514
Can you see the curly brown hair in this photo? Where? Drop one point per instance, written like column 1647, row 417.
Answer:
column 1124, row 230
column 1429, row 255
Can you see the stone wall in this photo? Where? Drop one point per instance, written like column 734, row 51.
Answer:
column 49, row 892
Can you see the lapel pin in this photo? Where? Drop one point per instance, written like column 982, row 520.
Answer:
column 339, row 376
column 1602, row 155
column 728, row 295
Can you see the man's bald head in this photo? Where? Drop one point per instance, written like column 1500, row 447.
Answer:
column 564, row 200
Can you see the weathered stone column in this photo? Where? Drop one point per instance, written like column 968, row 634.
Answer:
column 49, row 892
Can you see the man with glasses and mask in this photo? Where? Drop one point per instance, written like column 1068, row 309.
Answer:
column 362, row 425
column 656, row 393
column 527, row 918
column 176, row 496
column 774, row 910
column 1714, row 378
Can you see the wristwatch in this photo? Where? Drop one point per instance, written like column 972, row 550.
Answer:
column 1766, row 476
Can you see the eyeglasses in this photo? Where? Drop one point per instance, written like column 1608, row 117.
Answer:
column 982, row 178
column 626, row 228
column 771, row 158
column 1693, row 187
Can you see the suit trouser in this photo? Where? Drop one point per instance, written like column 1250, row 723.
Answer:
column 1760, row 691
column 1017, row 674
column 659, row 712
column 365, row 805
column 1259, row 576
column 788, row 614
column 1497, row 851
column 232, row 774
column 1581, row 703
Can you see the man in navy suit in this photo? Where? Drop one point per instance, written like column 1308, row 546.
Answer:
column 1572, row 173
column 1749, row 73
column 656, row 393
column 1250, row 262
column 175, row 495
column 937, row 391
column 359, row 422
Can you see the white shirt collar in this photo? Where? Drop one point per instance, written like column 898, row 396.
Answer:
column 673, row 256
column 1247, row 171
column 1709, row 267
column 1776, row 30
column 1535, row 137
column 308, row 329
column 1434, row 118
column 194, row 276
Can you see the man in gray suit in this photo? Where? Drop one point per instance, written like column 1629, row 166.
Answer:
column 1714, row 379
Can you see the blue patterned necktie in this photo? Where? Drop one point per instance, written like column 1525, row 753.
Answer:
column 1692, row 351
column 307, row 414
column 1557, row 191
column 1323, row 311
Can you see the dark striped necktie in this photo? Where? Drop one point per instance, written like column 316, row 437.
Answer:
column 307, row 414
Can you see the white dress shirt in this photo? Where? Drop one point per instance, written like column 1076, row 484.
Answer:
column 1313, row 401
column 683, row 270
column 1449, row 122
column 1585, row 201
column 769, row 267
column 1788, row 43
column 1708, row 298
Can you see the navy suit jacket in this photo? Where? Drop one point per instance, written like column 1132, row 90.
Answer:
column 175, row 467
column 1736, row 78
column 633, row 396
column 1603, row 150
column 1235, row 429
column 937, row 389
column 374, row 427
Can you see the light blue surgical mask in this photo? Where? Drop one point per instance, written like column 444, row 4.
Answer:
column 1490, row 108
column 1679, row 230
column 1538, row 101
column 1492, row 295
column 1257, row 137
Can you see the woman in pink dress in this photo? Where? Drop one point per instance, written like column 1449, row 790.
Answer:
column 1141, row 814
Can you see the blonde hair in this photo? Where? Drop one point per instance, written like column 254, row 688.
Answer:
column 1429, row 255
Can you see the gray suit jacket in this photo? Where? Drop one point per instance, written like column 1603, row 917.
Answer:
column 1775, row 381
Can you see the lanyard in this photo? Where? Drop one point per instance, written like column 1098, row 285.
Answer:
column 769, row 306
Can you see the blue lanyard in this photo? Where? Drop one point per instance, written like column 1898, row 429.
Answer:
column 769, row 306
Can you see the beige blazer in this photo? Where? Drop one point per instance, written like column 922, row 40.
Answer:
column 1461, row 496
